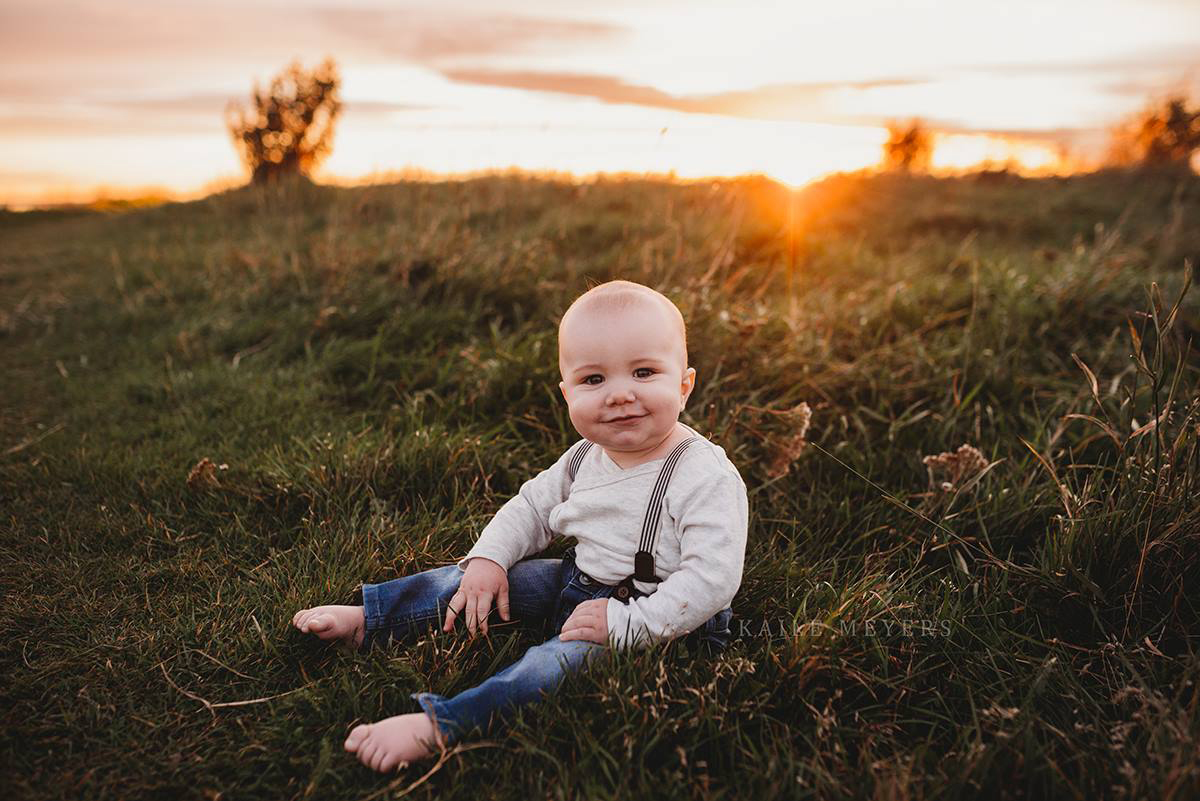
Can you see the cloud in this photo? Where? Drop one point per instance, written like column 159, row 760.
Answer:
column 209, row 103
column 1168, row 57
column 1050, row 136
column 71, row 52
column 195, row 103
column 43, row 176
column 605, row 88
column 126, row 31
column 791, row 101
column 1141, row 73
column 182, row 116
column 434, row 35
column 796, row 102
column 1150, row 87
column 382, row 107
column 68, row 125
column 81, row 32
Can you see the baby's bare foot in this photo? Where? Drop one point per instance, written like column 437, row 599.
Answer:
column 342, row 623
column 394, row 742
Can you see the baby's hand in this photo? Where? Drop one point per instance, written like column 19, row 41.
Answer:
column 482, row 581
column 589, row 621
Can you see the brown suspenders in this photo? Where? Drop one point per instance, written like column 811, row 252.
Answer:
column 643, row 560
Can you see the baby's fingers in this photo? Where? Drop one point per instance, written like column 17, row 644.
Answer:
column 451, row 612
column 483, row 606
column 472, row 612
column 502, row 603
column 578, row 631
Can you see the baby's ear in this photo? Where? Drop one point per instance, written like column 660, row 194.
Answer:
column 562, row 387
column 689, row 381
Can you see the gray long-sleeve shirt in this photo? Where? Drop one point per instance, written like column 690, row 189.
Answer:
column 699, row 551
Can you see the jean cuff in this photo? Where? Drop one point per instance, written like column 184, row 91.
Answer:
column 435, row 707
column 371, row 615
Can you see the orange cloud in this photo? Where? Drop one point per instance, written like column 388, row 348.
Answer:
column 794, row 101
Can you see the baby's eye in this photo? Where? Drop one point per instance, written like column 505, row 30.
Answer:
column 588, row 379
column 649, row 372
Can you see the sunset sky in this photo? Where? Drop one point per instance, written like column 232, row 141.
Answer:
column 122, row 95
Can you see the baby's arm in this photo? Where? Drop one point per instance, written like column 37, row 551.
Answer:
column 713, row 524
column 521, row 528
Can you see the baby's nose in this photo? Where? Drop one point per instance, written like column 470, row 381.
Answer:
column 621, row 396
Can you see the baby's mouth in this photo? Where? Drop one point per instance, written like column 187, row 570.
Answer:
column 625, row 418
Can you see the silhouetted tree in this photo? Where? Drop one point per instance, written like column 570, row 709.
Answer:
column 289, row 130
column 1163, row 134
column 908, row 147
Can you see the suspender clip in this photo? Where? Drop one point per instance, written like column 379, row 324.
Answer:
column 643, row 567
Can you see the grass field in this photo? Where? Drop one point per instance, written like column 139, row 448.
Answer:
column 372, row 372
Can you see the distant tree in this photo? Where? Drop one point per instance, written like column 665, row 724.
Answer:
column 289, row 129
column 908, row 148
column 1165, row 133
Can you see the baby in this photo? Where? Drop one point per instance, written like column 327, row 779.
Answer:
column 658, row 513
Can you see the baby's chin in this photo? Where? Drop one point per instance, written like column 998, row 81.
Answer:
column 630, row 439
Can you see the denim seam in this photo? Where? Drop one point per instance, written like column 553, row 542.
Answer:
column 374, row 621
column 368, row 595
column 387, row 623
column 370, row 608
column 434, row 707
column 392, row 622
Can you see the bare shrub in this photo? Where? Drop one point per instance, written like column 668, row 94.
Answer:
column 909, row 148
column 289, row 129
column 1164, row 134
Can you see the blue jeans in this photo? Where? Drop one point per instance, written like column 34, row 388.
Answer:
column 539, row 590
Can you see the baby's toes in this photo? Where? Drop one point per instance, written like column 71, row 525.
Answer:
column 366, row 754
column 356, row 736
column 389, row 763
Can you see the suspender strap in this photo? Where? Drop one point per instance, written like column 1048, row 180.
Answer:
column 643, row 560
column 577, row 458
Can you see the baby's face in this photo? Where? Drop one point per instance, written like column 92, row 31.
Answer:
column 624, row 377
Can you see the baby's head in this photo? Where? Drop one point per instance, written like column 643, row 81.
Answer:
column 622, row 353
